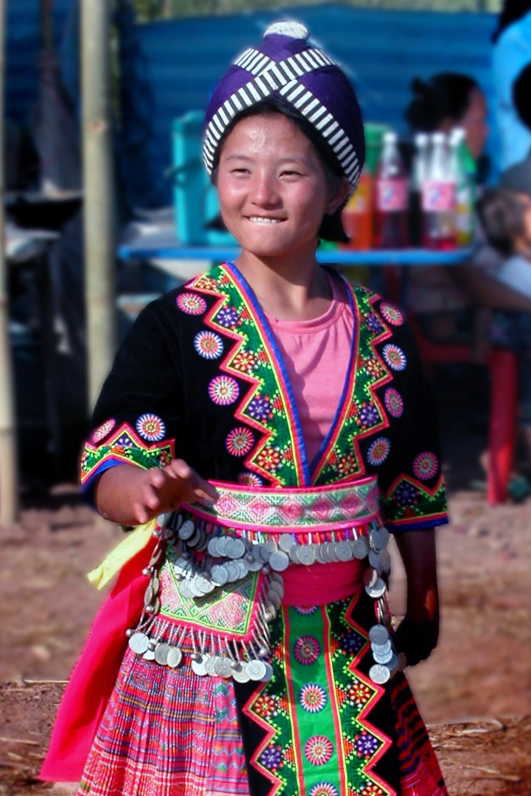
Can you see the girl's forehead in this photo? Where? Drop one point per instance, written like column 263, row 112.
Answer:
column 267, row 132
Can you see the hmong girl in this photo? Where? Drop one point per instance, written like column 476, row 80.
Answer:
column 265, row 427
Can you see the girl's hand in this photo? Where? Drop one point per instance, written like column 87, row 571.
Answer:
column 166, row 487
column 416, row 638
column 130, row 495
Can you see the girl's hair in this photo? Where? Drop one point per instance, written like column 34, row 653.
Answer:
column 445, row 95
column 521, row 94
column 512, row 11
column 501, row 213
column 331, row 228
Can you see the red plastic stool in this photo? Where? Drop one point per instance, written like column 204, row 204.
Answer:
column 502, row 424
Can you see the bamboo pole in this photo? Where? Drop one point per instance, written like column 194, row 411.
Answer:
column 8, row 435
column 99, row 220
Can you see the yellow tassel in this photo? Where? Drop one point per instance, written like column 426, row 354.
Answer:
column 134, row 542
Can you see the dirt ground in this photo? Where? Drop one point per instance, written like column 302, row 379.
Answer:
column 474, row 692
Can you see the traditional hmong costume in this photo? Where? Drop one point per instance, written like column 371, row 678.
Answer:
column 251, row 669
column 259, row 655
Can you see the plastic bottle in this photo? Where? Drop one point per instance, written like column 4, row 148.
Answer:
column 464, row 168
column 419, row 174
column 438, row 198
column 357, row 214
column 390, row 197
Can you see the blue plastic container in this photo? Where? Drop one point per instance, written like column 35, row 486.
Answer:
column 195, row 198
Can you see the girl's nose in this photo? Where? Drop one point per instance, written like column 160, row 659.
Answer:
column 264, row 191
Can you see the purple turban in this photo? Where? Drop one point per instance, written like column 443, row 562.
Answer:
column 288, row 66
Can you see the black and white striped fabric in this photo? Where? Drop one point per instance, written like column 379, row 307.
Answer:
column 283, row 77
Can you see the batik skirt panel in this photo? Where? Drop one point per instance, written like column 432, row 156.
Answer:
column 167, row 732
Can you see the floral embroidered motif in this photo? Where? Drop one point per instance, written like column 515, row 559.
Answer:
column 378, row 451
column 368, row 415
column 318, row 750
column 425, row 466
column 406, row 494
column 259, row 408
column 374, row 324
column 306, row 650
column 245, row 361
column 250, row 479
column 208, row 344
column 324, row 789
column 269, row 459
column 358, row 694
column 305, row 610
column 102, row 431
column 394, row 356
column 394, row 402
column 266, row 705
column 240, row 441
column 391, row 314
column 272, row 757
column 124, row 446
column 312, row 697
column 150, row 427
column 191, row 303
column 229, row 317
column 366, row 745
column 223, row 390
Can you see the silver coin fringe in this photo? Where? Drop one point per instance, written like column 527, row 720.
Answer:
column 226, row 558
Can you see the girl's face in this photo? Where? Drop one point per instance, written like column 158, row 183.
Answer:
column 474, row 123
column 273, row 188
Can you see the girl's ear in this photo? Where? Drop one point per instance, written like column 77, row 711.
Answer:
column 339, row 191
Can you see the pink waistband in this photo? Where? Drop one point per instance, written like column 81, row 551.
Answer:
column 322, row 583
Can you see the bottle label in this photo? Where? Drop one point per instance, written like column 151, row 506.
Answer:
column 391, row 195
column 438, row 196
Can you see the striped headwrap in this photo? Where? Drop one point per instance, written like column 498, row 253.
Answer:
column 288, row 66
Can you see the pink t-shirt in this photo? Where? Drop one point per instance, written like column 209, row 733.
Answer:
column 316, row 355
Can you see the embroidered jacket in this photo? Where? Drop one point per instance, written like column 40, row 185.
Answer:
column 200, row 377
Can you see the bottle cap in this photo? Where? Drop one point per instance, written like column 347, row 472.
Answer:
column 421, row 139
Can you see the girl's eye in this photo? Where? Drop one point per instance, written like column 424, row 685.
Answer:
column 290, row 173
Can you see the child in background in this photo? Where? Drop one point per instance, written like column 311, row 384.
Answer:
column 264, row 421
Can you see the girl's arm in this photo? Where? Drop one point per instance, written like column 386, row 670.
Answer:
column 130, row 495
column 418, row 632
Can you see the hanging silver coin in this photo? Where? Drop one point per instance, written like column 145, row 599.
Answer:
column 210, row 665
column 375, row 561
column 213, row 547
column 378, row 634
column 139, row 643
column 187, row 530
column 161, row 653
column 279, row 561
column 379, row 674
column 286, row 542
column 360, row 547
column 376, row 590
column 294, row 553
column 239, row 673
column 219, row 574
column 224, row 667
column 149, row 655
column 174, row 657
column 369, row 577
column 383, row 657
column 344, row 550
column 268, row 671
column 256, row 670
column 306, row 555
column 198, row 667
column 252, row 564
column 235, row 548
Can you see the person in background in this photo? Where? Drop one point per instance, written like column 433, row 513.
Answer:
column 512, row 76
column 460, row 303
